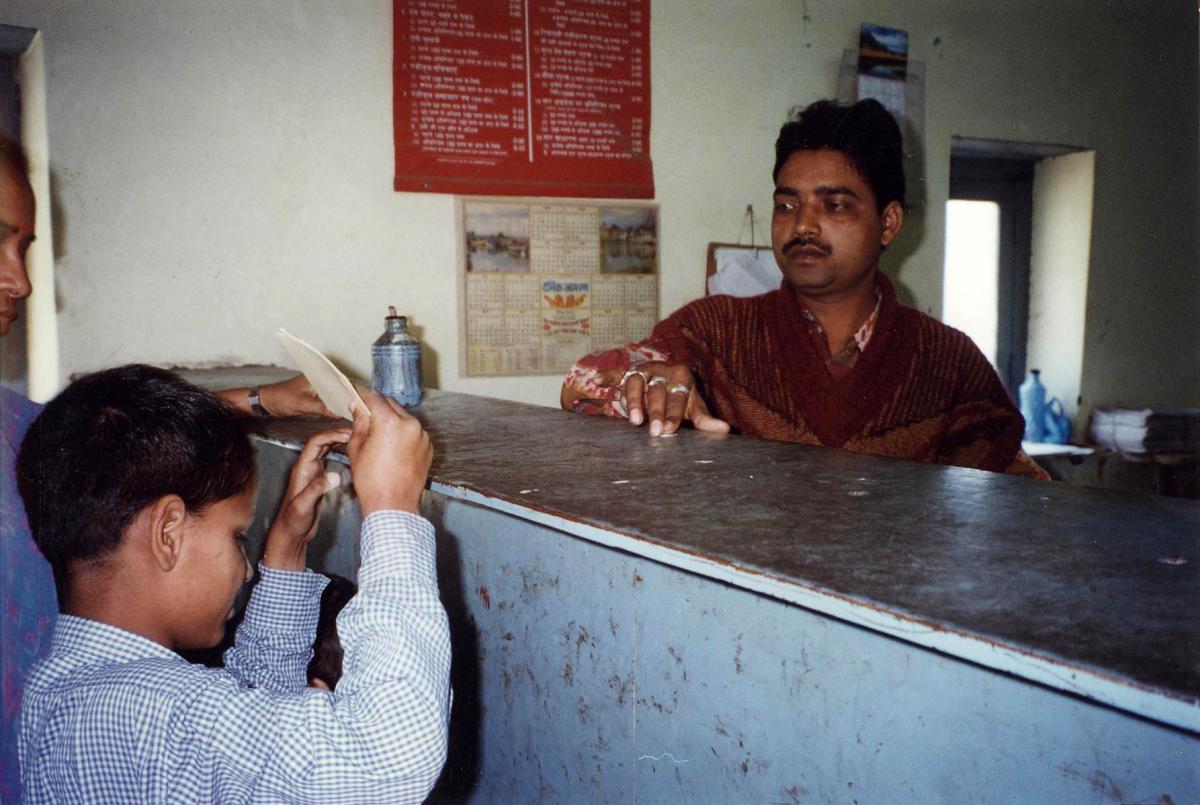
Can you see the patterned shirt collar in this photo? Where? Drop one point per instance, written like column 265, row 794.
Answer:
column 862, row 336
column 101, row 642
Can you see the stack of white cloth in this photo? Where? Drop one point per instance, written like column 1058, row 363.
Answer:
column 1145, row 430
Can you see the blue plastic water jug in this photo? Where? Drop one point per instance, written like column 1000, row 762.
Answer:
column 1056, row 425
column 1032, row 399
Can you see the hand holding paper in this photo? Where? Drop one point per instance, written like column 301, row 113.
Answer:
column 333, row 387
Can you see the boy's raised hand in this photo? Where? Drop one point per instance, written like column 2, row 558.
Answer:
column 296, row 522
column 390, row 454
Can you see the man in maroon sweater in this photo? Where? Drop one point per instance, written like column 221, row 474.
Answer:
column 831, row 358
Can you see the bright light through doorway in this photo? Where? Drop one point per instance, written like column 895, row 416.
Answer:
column 970, row 278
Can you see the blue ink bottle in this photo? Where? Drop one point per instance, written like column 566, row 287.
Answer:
column 396, row 361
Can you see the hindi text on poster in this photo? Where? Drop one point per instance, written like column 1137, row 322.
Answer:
column 523, row 97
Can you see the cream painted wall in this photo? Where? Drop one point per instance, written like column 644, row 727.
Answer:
column 1061, row 240
column 222, row 168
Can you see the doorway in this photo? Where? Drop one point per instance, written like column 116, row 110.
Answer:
column 1004, row 255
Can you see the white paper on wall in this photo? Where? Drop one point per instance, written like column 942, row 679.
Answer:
column 745, row 272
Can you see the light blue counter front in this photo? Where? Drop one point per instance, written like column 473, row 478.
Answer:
column 726, row 620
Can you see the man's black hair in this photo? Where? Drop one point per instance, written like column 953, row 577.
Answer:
column 114, row 442
column 13, row 158
column 326, row 662
column 865, row 132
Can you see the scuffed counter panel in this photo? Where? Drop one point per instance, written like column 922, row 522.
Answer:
column 1073, row 588
column 586, row 674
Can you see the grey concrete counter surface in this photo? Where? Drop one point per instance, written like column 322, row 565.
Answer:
column 1092, row 592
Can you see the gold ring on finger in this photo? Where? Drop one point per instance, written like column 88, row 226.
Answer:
column 678, row 388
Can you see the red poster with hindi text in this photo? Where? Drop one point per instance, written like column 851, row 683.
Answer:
column 523, row 97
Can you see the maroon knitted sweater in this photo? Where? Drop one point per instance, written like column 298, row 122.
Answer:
column 921, row 390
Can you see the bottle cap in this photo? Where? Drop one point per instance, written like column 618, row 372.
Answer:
column 394, row 317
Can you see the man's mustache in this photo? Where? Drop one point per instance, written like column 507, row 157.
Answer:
column 804, row 241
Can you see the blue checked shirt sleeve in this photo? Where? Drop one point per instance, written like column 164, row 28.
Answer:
column 274, row 641
column 381, row 736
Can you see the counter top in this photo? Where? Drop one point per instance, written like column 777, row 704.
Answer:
column 1088, row 591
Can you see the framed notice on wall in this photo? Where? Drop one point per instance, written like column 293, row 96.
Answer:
column 523, row 97
column 543, row 283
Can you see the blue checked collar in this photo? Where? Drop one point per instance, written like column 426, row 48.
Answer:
column 93, row 640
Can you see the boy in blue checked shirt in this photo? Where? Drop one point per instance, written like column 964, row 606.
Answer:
column 137, row 486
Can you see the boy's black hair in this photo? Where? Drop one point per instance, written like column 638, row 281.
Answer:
column 115, row 441
column 865, row 132
column 326, row 662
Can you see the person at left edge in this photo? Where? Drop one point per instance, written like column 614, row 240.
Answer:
column 27, row 593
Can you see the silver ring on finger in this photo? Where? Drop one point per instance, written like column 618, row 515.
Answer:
column 657, row 380
column 678, row 388
column 631, row 373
